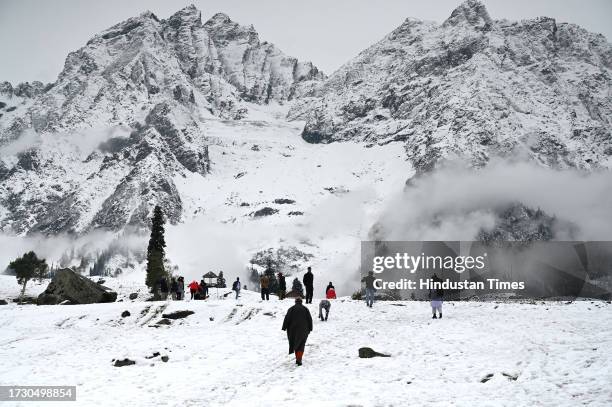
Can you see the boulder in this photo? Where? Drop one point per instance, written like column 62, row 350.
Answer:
column 3, row 302
column 371, row 353
column 164, row 321
column 124, row 362
column 133, row 296
column 67, row 285
column 125, row 314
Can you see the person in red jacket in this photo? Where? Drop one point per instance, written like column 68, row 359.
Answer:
column 330, row 294
column 194, row 287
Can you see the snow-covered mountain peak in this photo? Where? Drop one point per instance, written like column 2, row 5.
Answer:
column 474, row 88
column 188, row 15
column 471, row 12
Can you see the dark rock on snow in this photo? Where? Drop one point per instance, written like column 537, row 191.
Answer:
column 3, row 302
column 164, row 321
column 266, row 211
column 178, row 314
column 371, row 353
column 125, row 314
column 71, row 286
column 124, row 362
column 133, row 296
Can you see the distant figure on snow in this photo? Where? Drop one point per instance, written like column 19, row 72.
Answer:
column 308, row 282
column 282, row 286
column 369, row 289
column 163, row 288
column 194, row 287
column 436, row 297
column 329, row 286
column 203, row 289
column 174, row 288
column 298, row 324
column 330, row 294
column 236, row 286
column 264, row 283
column 180, row 294
column 324, row 305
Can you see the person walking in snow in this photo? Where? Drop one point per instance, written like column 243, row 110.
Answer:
column 174, row 288
column 193, row 288
column 163, row 288
column 324, row 305
column 203, row 289
column 369, row 289
column 264, row 283
column 436, row 297
column 282, row 286
column 181, row 288
column 298, row 324
column 236, row 286
column 308, row 281
column 330, row 285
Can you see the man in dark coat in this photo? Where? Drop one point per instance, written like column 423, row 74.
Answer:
column 308, row 281
column 298, row 324
column 282, row 286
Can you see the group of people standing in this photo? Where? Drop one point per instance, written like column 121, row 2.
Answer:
column 176, row 289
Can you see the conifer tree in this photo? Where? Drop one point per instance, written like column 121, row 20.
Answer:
column 27, row 267
column 156, row 250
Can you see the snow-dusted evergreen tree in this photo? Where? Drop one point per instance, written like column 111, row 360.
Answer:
column 27, row 267
column 156, row 250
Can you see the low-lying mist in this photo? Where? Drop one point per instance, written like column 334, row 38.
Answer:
column 451, row 203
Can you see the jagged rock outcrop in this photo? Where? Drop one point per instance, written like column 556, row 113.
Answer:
column 517, row 222
column 100, row 147
column 474, row 87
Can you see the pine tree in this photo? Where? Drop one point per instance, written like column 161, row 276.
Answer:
column 297, row 287
column 156, row 250
column 27, row 267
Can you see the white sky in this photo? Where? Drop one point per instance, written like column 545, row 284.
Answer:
column 36, row 35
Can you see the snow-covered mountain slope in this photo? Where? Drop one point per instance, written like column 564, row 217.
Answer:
column 123, row 72
column 474, row 87
column 103, row 144
column 479, row 354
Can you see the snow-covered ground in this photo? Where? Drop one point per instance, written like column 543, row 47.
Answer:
column 234, row 353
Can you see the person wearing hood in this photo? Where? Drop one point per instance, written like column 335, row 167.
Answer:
column 298, row 324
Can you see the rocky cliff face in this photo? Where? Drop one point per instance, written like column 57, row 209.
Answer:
column 474, row 87
column 101, row 146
